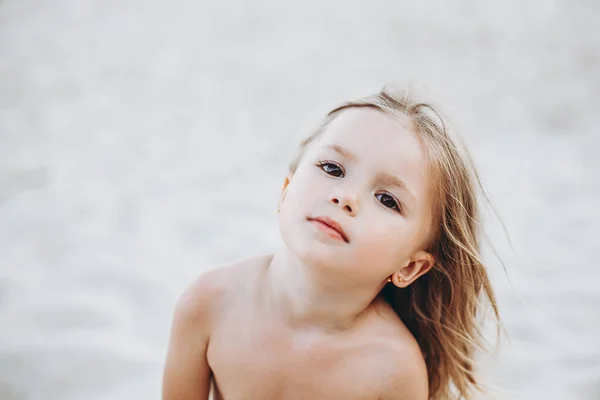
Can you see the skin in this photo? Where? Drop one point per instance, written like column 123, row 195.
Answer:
column 306, row 321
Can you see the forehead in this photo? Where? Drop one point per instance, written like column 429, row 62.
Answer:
column 380, row 141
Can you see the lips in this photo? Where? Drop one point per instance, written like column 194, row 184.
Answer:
column 332, row 224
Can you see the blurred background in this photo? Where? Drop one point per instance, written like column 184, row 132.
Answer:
column 142, row 142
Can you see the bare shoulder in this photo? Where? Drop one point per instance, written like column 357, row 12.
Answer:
column 402, row 368
column 204, row 298
column 187, row 371
column 404, row 375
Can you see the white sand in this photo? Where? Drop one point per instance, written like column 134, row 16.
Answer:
column 144, row 141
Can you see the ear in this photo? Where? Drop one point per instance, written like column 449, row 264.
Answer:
column 419, row 264
column 284, row 191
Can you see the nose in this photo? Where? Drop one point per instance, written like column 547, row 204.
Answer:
column 347, row 201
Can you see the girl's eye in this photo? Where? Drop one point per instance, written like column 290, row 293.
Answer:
column 388, row 201
column 331, row 169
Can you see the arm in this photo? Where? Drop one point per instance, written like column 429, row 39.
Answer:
column 187, row 375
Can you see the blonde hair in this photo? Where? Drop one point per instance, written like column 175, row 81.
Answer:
column 446, row 304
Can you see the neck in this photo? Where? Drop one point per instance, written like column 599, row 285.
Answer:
column 308, row 296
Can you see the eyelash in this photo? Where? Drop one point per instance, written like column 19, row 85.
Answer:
column 323, row 164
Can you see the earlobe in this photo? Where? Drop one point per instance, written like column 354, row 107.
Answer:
column 286, row 183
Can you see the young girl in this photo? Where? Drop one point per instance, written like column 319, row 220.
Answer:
column 377, row 289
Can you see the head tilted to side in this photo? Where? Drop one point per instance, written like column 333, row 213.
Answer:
column 443, row 307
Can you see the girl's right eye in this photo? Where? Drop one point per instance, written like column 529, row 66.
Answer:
column 331, row 169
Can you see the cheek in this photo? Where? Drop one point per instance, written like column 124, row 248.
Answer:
column 298, row 203
column 384, row 243
column 305, row 188
column 296, row 198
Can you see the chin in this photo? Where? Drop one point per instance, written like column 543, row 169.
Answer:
column 307, row 247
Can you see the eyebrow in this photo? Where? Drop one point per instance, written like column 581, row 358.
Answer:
column 342, row 151
column 392, row 180
column 384, row 177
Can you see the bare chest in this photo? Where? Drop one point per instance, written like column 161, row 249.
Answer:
column 259, row 360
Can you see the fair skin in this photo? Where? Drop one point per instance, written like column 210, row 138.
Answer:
column 306, row 322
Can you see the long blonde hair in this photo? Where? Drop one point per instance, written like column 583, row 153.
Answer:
column 444, row 307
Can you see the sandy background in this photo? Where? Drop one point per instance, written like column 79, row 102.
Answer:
column 144, row 141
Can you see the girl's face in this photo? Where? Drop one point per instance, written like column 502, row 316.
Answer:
column 366, row 174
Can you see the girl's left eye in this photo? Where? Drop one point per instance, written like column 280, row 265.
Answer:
column 388, row 201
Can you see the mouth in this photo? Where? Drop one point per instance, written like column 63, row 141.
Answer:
column 331, row 227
